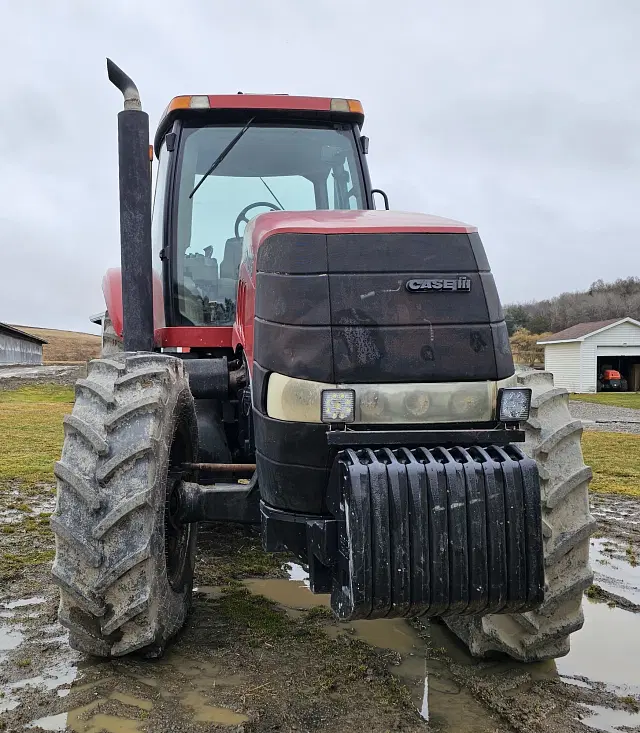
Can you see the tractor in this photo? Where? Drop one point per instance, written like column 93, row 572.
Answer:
column 611, row 380
column 278, row 352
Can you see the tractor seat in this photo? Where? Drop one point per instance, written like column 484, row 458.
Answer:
column 202, row 269
column 231, row 261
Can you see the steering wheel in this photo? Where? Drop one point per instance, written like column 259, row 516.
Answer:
column 242, row 216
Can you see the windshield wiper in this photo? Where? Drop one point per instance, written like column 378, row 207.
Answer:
column 222, row 156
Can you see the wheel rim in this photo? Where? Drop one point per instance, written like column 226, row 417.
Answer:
column 177, row 536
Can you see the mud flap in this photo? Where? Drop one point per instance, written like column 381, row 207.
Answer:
column 436, row 532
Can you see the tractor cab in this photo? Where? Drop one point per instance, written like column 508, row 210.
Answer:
column 225, row 159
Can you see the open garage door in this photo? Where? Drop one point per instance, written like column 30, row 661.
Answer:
column 625, row 359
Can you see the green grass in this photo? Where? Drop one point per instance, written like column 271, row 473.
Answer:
column 596, row 593
column 48, row 393
column 12, row 563
column 254, row 615
column 614, row 399
column 31, row 428
column 631, row 702
column 615, row 461
column 32, row 434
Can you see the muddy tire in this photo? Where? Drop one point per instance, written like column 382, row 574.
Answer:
column 111, row 342
column 125, row 571
column 553, row 440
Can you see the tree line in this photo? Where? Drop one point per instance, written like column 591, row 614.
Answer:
column 601, row 302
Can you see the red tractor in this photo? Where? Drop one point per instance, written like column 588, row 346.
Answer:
column 611, row 380
column 340, row 376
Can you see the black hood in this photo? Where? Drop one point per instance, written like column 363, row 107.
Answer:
column 379, row 308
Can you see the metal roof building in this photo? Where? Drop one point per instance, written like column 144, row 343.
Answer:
column 18, row 347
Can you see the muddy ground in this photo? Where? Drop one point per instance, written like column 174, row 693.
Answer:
column 260, row 653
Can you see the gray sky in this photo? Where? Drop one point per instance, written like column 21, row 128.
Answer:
column 521, row 118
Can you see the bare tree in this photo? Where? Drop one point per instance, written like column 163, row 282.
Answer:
column 601, row 302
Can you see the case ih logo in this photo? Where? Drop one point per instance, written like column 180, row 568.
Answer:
column 459, row 283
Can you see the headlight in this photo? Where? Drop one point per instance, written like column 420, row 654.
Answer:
column 417, row 403
column 297, row 400
column 514, row 404
column 338, row 405
column 467, row 403
column 372, row 404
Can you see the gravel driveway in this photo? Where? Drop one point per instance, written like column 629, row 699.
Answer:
column 605, row 417
column 12, row 377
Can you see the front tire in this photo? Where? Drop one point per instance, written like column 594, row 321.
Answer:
column 124, row 569
column 553, row 440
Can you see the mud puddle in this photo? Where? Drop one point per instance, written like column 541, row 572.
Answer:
column 244, row 663
column 85, row 719
column 612, row 721
column 606, row 649
column 21, row 602
column 238, row 661
column 618, row 518
column 605, row 653
column 114, row 711
column 10, row 638
column 437, row 697
column 53, row 678
column 616, row 569
column 603, row 665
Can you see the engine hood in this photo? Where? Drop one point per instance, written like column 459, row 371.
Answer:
column 353, row 297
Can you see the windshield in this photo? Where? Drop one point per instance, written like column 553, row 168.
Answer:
column 274, row 167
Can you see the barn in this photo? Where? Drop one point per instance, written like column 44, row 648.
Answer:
column 18, row 347
column 578, row 355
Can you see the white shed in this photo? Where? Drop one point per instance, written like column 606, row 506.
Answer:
column 577, row 355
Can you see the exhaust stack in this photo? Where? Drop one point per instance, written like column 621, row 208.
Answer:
column 135, row 215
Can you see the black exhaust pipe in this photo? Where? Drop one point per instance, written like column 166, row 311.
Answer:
column 135, row 215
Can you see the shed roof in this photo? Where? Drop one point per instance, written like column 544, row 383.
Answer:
column 11, row 331
column 583, row 330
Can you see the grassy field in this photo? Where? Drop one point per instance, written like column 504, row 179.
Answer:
column 614, row 399
column 66, row 346
column 32, row 434
column 615, row 460
column 31, row 426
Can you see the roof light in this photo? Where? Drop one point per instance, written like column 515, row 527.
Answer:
column 340, row 105
column 199, row 101
column 347, row 105
column 179, row 103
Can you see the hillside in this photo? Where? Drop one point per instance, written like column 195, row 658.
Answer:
column 600, row 302
column 65, row 346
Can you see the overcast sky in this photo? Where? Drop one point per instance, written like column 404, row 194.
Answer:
column 521, row 118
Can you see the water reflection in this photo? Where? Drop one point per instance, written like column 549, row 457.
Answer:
column 613, row 571
column 611, row 721
column 606, row 649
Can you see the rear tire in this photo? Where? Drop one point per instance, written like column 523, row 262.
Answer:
column 553, row 440
column 125, row 571
column 111, row 342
